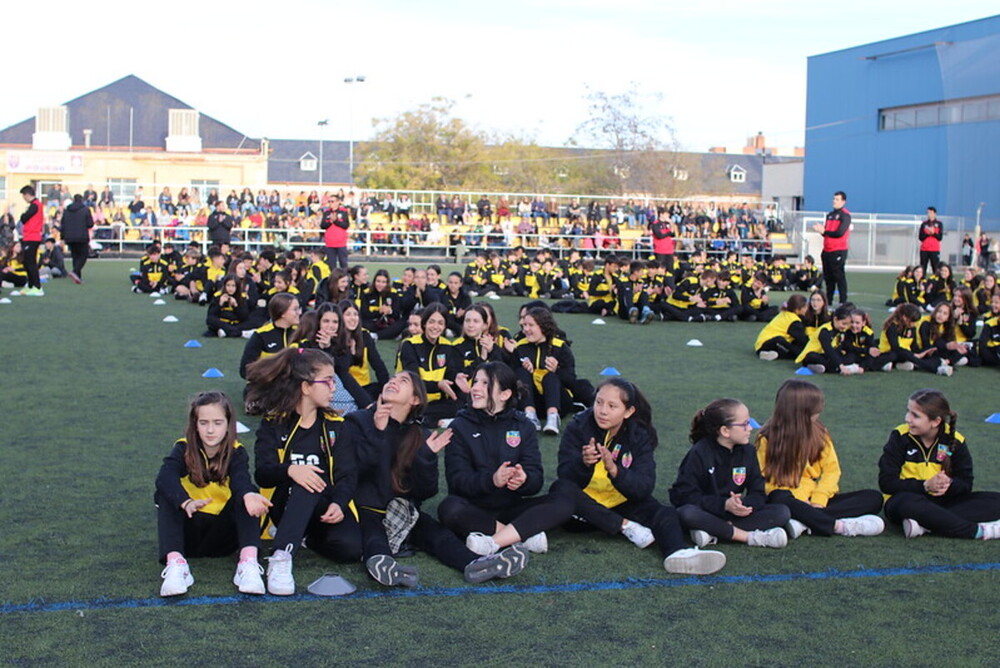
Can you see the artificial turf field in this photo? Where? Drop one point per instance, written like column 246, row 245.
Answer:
column 94, row 392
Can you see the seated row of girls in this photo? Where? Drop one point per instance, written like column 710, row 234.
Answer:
column 913, row 287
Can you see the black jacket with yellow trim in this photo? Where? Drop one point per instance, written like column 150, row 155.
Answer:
column 266, row 340
column 631, row 447
column 174, row 481
column 906, row 463
column 709, row 472
column 272, row 451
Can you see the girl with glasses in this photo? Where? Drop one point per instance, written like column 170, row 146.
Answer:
column 719, row 491
column 310, row 476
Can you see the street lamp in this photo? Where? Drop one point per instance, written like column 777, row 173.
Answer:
column 350, row 124
column 322, row 124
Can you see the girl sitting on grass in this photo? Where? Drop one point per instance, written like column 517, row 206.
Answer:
column 606, row 467
column 926, row 470
column 801, row 469
column 206, row 504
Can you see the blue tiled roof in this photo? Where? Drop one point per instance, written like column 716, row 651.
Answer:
column 283, row 162
column 106, row 112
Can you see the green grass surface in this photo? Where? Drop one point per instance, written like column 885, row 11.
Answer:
column 94, row 392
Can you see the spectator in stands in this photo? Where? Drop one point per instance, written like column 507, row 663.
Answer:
column 137, row 210
column 220, row 225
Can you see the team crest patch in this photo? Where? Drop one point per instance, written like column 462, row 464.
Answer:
column 739, row 474
column 942, row 452
column 333, row 437
column 627, row 460
column 615, row 451
column 513, row 438
column 441, row 359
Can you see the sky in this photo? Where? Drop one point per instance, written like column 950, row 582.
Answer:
column 719, row 70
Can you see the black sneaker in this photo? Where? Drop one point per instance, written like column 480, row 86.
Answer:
column 503, row 564
column 386, row 571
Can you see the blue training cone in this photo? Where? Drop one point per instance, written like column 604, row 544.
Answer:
column 610, row 371
column 994, row 419
column 192, row 344
column 754, row 424
column 212, row 373
column 804, row 371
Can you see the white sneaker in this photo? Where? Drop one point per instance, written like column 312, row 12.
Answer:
column 247, row 578
column 551, row 424
column 176, row 579
column 865, row 525
column 962, row 361
column 911, row 529
column 887, row 367
column 904, row 366
column 945, row 370
column 533, row 419
column 693, row 561
column 816, row 368
column 640, row 535
column 702, row 538
column 247, row 333
column 795, row 528
column 775, row 537
column 768, row 355
column 991, row 530
column 854, row 369
column 539, row 543
column 221, row 333
column 279, row 573
column 481, row 544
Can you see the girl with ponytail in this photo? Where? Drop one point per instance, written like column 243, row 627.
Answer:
column 719, row 491
column 926, row 470
column 310, row 475
column 606, row 467
column 397, row 471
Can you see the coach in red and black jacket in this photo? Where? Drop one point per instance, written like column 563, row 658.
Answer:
column 931, row 233
column 836, row 236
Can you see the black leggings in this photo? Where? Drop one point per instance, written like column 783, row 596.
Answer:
column 786, row 350
column 553, row 395
column 821, row 521
column 204, row 534
column 30, row 255
column 929, row 364
column 527, row 516
column 300, row 518
column 662, row 520
column 427, row 534
column 79, row 251
column 768, row 517
column 953, row 516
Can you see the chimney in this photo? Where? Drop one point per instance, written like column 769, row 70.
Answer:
column 87, row 133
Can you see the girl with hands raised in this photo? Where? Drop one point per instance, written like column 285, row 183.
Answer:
column 311, row 474
column 397, row 471
column 206, row 502
column 611, row 476
column 926, row 469
column 494, row 469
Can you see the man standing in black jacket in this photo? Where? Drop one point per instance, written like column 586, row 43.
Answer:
column 75, row 228
column 220, row 224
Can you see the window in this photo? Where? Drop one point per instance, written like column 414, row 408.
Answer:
column 183, row 123
column 204, row 187
column 52, row 119
column 3, row 188
column 737, row 174
column 680, row 174
column 308, row 163
column 123, row 189
column 948, row 112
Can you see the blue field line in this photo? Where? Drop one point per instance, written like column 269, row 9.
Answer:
column 446, row 592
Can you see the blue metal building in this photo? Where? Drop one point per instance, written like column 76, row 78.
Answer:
column 907, row 123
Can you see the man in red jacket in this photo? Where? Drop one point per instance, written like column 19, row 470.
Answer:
column 32, row 224
column 336, row 219
column 836, row 236
column 931, row 232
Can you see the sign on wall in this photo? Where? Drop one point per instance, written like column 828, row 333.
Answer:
column 44, row 162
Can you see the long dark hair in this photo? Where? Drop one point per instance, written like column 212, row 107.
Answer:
column 339, row 343
column 707, row 422
column 906, row 311
column 201, row 469
column 274, row 382
column 358, row 334
column 412, row 438
column 935, row 405
column 388, row 284
column 546, row 323
column 429, row 310
column 633, row 398
column 503, row 378
column 794, row 438
column 279, row 304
